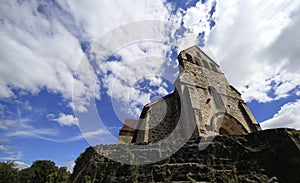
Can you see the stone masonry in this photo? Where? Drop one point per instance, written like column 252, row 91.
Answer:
column 203, row 103
column 263, row 156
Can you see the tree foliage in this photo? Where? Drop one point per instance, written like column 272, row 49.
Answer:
column 41, row 171
column 8, row 173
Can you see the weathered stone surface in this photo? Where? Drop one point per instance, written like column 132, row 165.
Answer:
column 263, row 156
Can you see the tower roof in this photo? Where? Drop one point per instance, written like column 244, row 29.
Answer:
column 199, row 49
column 129, row 125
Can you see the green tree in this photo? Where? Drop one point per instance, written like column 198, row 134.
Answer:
column 41, row 171
column 43, row 168
column 60, row 176
column 8, row 173
column 63, row 175
column 27, row 175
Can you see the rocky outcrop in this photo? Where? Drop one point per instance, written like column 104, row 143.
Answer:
column 263, row 156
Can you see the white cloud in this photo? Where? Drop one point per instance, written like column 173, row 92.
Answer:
column 6, row 149
column 21, row 165
column 197, row 19
column 85, row 86
column 286, row 82
column 254, row 41
column 194, row 20
column 287, row 117
column 138, row 63
column 41, row 43
column 98, row 17
column 95, row 134
column 12, row 157
column 10, row 152
column 66, row 120
column 36, row 51
column 24, row 128
column 70, row 165
column 39, row 133
column 51, row 116
column 6, row 124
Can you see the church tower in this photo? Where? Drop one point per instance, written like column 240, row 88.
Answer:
column 203, row 100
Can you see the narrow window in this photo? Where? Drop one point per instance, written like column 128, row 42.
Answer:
column 205, row 64
column 213, row 66
column 217, row 98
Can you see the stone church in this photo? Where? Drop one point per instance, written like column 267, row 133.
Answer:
column 203, row 100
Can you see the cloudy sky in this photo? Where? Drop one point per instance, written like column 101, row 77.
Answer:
column 60, row 60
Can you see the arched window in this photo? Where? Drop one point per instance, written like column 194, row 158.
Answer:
column 189, row 58
column 213, row 67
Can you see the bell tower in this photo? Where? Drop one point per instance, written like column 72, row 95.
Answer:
column 203, row 102
column 207, row 98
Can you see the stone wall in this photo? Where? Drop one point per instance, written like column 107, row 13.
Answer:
column 263, row 156
column 158, row 119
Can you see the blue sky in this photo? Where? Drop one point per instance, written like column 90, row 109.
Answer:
column 54, row 68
